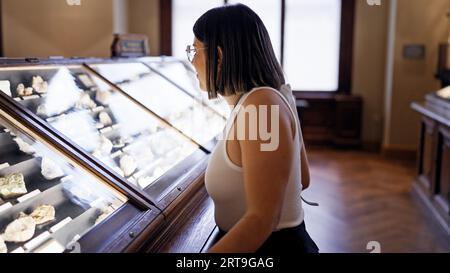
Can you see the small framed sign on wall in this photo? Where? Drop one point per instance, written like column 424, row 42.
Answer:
column 414, row 51
column 129, row 45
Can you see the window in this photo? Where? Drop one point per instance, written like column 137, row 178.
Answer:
column 270, row 13
column 311, row 38
column 311, row 48
column 184, row 15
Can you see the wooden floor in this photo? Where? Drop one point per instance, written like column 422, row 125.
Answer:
column 364, row 197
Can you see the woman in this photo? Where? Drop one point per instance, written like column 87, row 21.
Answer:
column 256, row 191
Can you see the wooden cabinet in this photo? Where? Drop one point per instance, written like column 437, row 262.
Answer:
column 330, row 118
column 348, row 120
column 427, row 146
column 442, row 189
column 432, row 184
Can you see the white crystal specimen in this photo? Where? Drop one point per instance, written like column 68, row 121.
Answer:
column 43, row 214
column 12, row 185
column 3, row 248
column 50, row 170
column 20, row 230
column 39, row 85
column 105, row 119
column 5, row 87
column 128, row 165
column 42, row 110
column 24, row 146
column 22, row 91
column 103, row 97
column 85, row 101
column 105, row 146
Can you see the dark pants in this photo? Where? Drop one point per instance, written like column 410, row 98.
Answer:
column 288, row 240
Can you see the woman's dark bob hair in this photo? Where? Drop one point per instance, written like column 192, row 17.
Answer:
column 248, row 59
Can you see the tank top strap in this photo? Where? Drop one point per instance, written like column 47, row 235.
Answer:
column 285, row 93
column 235, row 111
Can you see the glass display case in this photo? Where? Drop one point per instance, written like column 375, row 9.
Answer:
column 185, row 110
column 47, row 201
column 182, row 75
column 432, row 182
column 117, row 147
column 105, row 123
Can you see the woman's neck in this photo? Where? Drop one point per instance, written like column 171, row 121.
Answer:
column 233, row 99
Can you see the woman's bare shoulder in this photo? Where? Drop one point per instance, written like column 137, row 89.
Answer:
column 264, row 96
column 269, row 97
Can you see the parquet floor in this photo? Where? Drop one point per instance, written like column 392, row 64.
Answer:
column 364, row 197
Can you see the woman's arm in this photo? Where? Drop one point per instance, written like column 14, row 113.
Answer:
column 304, row 166
column 266, row 175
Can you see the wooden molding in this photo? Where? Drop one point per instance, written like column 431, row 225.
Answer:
column 283, row 27
column 429, row 205
column 371, row 146
column 399, row 153
column 1, row 29
column 165, row 27
column 346, row 46
column 177, row 213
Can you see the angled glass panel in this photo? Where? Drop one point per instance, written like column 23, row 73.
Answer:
column 196, row 120
column 47, row 201
column 99, row 119
column 183, row 75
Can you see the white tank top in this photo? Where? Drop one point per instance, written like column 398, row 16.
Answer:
column 224, row 180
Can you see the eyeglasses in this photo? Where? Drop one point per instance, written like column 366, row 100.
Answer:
column 191, row 51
